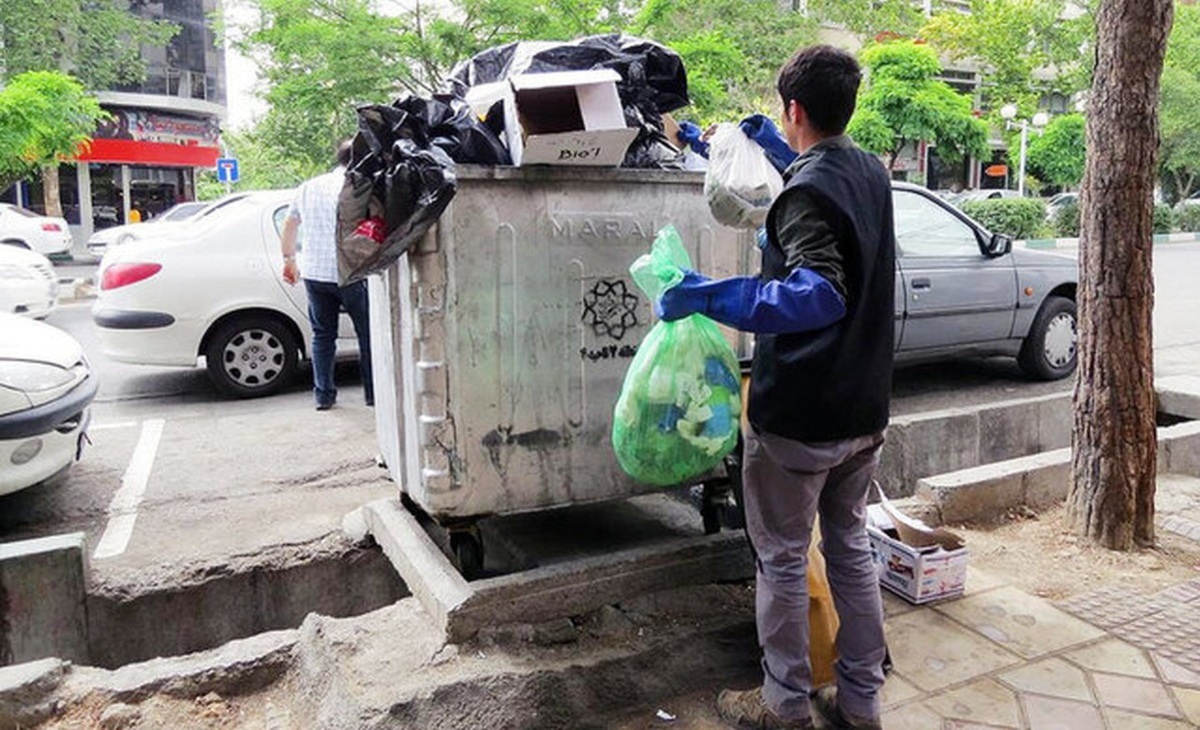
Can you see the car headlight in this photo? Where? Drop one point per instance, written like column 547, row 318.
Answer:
column 13, row 271
column 29, row 376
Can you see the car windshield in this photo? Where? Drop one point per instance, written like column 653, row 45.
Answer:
column 181, row 211
column 21, row 211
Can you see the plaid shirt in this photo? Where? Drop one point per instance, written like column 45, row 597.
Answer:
column 315, row 207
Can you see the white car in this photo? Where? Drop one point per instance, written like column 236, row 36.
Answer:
column 212, row 289
column 46, row 387
column 28, row 284
column 26, row 229
column 119, row 235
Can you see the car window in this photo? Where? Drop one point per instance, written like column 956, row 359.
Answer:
column 181, row 211
column 21, row 211
column 924, row 228
column 278, row 217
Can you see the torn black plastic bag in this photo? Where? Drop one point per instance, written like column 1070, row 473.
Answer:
column 443, row 122
column 653, row 81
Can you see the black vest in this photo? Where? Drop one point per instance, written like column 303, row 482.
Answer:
column 834, row 383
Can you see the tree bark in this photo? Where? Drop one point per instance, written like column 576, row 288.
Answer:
column 1114, row 442
column 50, row 191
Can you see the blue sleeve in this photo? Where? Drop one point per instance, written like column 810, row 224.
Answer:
column 802, row 302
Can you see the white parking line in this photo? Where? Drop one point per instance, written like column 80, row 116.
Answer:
column 122, row 512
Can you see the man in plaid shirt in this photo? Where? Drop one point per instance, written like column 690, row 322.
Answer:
column 313, row 215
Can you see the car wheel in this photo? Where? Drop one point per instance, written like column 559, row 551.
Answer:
column 1049, row 351
column 251, row 356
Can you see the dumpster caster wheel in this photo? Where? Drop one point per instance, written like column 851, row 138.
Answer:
column 468, row 553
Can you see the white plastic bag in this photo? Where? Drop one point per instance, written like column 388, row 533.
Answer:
column 740, row 182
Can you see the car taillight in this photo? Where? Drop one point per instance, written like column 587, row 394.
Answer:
column 119, row 275
column 51, row 227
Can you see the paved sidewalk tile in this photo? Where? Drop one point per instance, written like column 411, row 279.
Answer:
column 1122, row 720
column 1113, row 606
column 1189, row 702
column 1176, row 674
column 1129, row 693
column 1115, row 657
column 1049, row 713
column 933, row 652
column 984, row 702
column 912, row 717
column 897, row 691
column 1052, row 677
column 1173, row 633
column 1020, row 622
column 1184, row 592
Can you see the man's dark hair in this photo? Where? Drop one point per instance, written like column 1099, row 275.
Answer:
column 343, row 152
column 824, row 80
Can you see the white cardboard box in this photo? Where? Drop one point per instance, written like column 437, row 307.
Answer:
column 918, row 575
column 566, row 118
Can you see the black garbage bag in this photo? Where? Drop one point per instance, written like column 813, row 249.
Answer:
column 653, row 80
column 401, row 177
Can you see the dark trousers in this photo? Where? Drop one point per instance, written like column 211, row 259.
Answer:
column 785, row 484
column 325, row 302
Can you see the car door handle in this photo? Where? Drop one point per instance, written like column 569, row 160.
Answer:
column 921, row 283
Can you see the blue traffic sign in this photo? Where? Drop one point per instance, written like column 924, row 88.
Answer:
column 227, row 169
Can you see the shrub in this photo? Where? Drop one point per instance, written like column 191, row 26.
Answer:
column 1164, row 219
column 1066, row 221
column 1016, row 217
column 1187, row 218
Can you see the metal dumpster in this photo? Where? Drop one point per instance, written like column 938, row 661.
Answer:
column 501, row 341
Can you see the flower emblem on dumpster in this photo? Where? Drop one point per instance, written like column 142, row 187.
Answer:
column 610, row 309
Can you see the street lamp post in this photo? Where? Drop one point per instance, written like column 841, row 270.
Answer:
column 1040, row 120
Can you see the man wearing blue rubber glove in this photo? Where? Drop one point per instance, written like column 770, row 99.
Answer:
column 819, row 398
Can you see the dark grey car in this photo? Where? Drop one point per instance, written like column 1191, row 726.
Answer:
column 962, row 291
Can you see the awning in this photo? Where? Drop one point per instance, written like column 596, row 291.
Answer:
column 137, row 152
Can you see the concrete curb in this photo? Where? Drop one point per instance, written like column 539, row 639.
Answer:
column 27, row 691
column 461, row 609
column 76, row 289
column 986, row 493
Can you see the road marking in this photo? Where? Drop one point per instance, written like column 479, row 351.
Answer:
column 122, row 513
column 113, row 424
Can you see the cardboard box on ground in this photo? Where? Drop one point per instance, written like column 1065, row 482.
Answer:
column 561, row 118
column 918, row 563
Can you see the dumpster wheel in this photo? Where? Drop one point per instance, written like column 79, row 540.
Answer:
column 467, row 546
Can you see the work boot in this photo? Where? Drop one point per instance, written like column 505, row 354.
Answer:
column 748, row 710
column 831, row 715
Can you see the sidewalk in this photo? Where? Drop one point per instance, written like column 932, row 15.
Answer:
column 999, row 657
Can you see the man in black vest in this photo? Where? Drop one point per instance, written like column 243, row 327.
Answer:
column 819, row 395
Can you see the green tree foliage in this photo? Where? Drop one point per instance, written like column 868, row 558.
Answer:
column 870, row 19
column 263, row 165
column 903, row 97
column 732, row 64
column 1016, row 41
column 96, row 41
column 1058, row 154
column 1016, row 217
column 1179, row 145
column 45, row 116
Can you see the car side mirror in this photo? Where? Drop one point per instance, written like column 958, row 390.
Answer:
column 998, row 245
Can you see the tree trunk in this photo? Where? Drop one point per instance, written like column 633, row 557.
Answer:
column 50, row 191
column 1114, row 441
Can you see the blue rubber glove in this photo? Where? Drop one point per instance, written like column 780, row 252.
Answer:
column 763, row 131
column 802, row 302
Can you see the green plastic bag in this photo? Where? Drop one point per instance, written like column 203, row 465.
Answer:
column 679, row 409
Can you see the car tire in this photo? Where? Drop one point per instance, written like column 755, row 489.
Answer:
column 1049, row 351
column 251, row 356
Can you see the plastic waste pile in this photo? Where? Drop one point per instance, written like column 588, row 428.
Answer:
column 679, row 409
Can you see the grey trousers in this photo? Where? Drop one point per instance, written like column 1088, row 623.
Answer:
column 785, row 484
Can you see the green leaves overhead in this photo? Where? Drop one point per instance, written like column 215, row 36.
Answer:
column 902, row 102
column 1058, row 154
column 97, row 41
column 45, row 116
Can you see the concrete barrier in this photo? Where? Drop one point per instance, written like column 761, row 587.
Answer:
column 986, row 493
column 937, row 442
column 43, row 608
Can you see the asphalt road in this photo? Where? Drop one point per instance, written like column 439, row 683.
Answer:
column 220, row 477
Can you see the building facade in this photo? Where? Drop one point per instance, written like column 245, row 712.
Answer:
column 161, row 130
